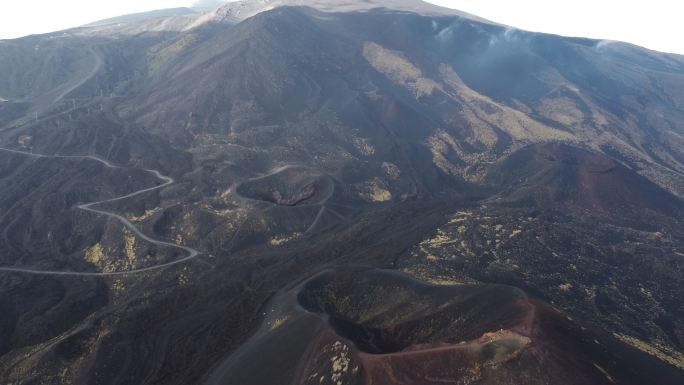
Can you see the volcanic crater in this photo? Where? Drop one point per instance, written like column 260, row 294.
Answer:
column 289, row 186
column 371, row 326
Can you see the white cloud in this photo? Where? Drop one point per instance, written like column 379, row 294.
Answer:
column 445, row 34
column 654, row 24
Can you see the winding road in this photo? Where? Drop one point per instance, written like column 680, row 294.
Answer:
column 192, row 253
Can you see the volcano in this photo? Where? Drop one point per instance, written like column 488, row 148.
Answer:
column 359, row 192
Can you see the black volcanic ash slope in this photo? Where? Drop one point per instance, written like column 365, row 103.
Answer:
column 318, row 136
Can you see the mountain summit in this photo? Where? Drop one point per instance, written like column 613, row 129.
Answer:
column 247, row 8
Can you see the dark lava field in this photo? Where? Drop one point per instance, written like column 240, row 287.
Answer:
column 333, row 193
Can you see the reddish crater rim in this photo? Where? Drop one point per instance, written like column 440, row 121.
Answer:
column 489, row 337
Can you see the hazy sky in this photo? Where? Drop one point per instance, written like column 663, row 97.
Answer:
column 655, row 24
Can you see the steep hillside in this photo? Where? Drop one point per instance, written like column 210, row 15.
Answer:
column 320, row 192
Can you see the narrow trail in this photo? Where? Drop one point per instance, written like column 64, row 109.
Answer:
column 48, row 102
column 192, row 253
column 99, row 63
